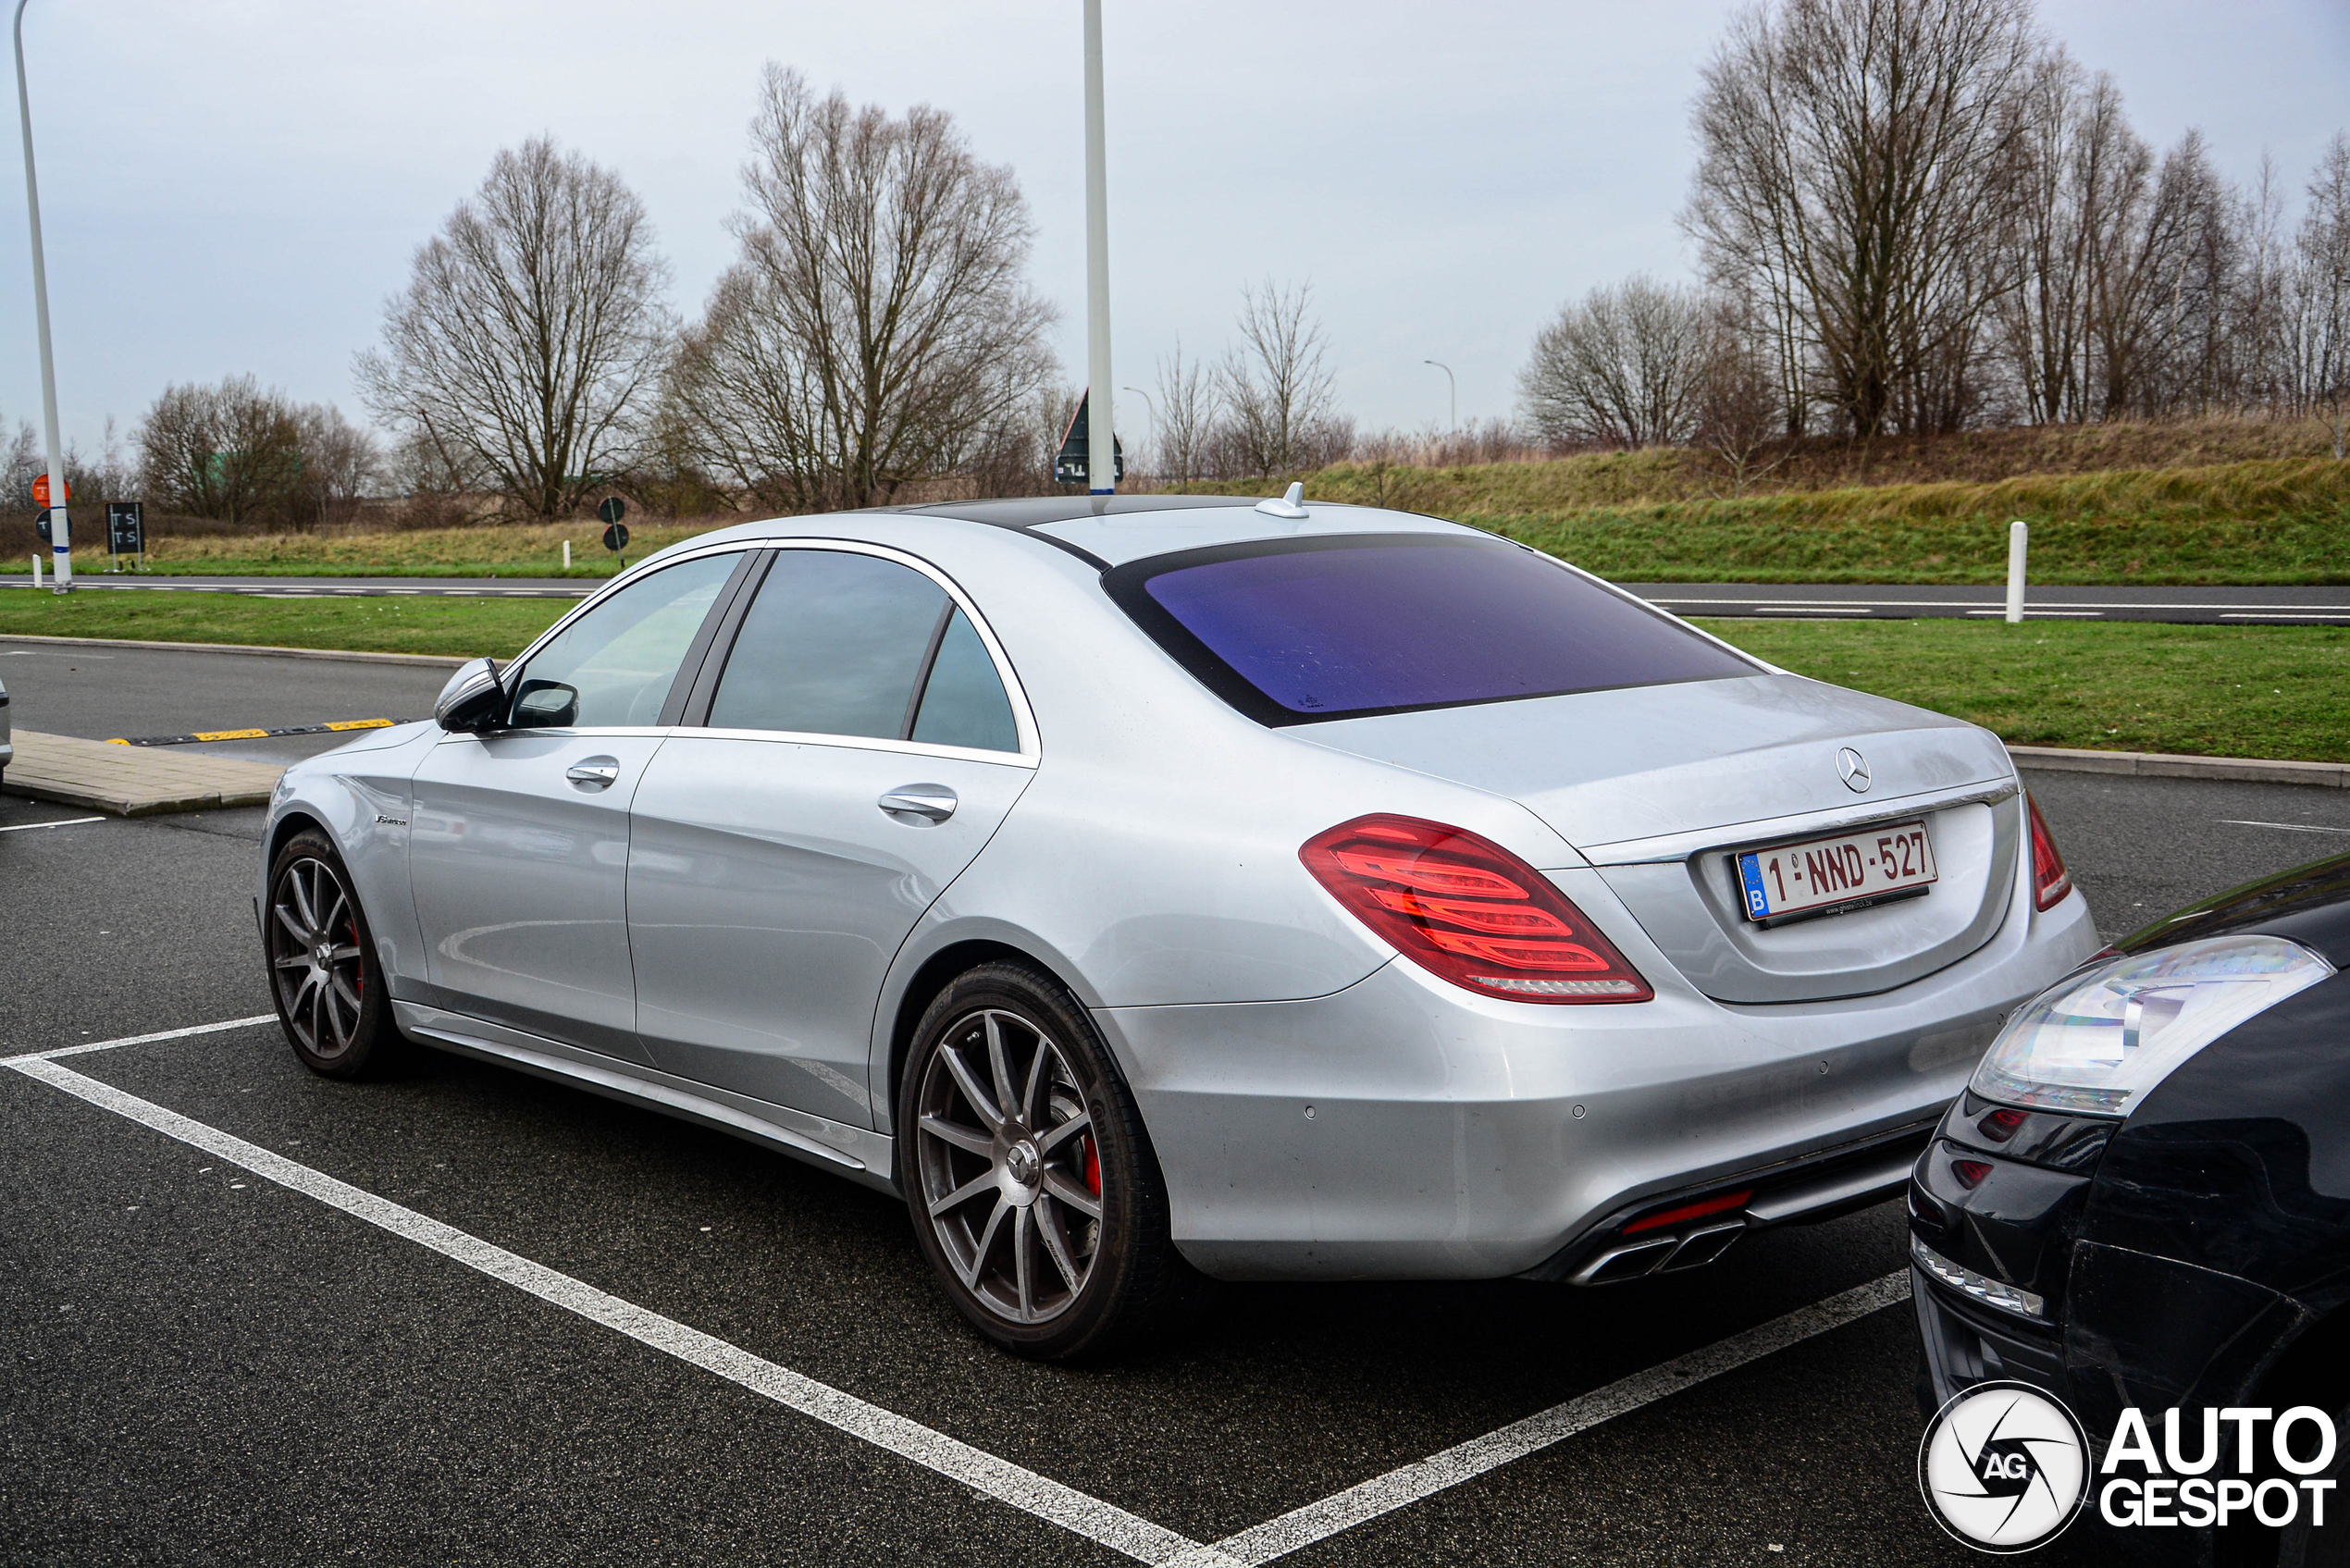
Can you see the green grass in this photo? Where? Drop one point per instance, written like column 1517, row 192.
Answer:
column 463, row 626
column 516, row 549
column 2213, row 691
column 2218, row 691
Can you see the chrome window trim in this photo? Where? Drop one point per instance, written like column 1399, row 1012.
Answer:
column 1024, row 716
column 864, row 743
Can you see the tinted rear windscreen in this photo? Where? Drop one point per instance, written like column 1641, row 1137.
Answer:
column 1295, row 631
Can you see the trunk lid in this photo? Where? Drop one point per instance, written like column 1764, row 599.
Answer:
column 1657, row 786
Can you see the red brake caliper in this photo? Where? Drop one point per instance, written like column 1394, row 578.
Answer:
column 1093, row 1168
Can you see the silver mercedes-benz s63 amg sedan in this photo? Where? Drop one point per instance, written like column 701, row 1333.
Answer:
column 1147, row 885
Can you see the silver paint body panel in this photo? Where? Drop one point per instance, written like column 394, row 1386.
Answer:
column 1143, row 848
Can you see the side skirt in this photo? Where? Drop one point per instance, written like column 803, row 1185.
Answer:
column 858, row 1152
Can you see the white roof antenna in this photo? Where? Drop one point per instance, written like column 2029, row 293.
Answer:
column 1290, row 505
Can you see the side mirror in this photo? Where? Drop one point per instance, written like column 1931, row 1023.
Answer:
column 471, row 701
column 545, row 705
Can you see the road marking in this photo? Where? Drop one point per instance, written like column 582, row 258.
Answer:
column 2288, row 827
column 140, row 1039
column 67, row 822
column 1342, row 1510
column 981, row 1471
column 2032, row 610
column 2263, row 615
column 332, row 726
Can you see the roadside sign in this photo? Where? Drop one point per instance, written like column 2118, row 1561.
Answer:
column 127, row 527
column 1071, row 464
column 41, row 490
column 612, row 510
column 616, row 538
column 40, row 525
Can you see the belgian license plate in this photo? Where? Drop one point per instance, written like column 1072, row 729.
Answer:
column 1871, row 865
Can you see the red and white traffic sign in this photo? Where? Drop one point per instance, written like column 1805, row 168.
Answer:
column 41, row 490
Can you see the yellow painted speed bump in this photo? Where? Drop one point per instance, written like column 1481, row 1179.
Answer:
column 330, row 727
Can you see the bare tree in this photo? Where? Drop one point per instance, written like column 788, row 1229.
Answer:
column 532, row 327
column 1741, row 422
column 1857, row 161
column 2315, row 318
column 877, row 327
column 341, row 462
column 231, row 451
column 1276, row 393
column 1622, row 366
column 1188, row 409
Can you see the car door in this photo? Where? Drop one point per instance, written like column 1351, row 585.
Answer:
column 518, row 847
column 862, row 741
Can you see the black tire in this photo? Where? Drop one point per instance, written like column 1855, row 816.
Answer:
column 324, row 976
column 1127, row 1279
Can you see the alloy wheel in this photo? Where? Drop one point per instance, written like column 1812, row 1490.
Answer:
column 315, row 957
column 1010, row 1175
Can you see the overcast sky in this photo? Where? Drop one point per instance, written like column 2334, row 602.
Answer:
column 234, row 186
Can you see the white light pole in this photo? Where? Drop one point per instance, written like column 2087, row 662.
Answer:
column 1453, row 393
column 1101, row 431
column 60, row 532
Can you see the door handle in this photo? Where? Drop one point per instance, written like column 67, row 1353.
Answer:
column 932, row 802
column 593, row 772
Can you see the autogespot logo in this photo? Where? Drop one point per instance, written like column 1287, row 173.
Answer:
column 2004, row 1467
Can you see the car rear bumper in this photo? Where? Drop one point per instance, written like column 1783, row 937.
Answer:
column 1406, row 1128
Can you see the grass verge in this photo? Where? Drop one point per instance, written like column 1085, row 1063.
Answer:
column 2211, row 691
column 465, row 627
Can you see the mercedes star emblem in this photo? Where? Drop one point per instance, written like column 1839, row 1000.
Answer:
column 1855, row 769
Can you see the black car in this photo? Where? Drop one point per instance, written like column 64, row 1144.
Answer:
column 2143, row 1202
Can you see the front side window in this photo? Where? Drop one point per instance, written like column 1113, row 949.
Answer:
column 614, row 664
column 1296, row 631
column 843, row 643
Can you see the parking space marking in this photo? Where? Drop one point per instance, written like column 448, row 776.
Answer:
column 981, row 1471
column 64, row 823
column 1408, row 1484
column 89, row 1046
column 1077, row 1511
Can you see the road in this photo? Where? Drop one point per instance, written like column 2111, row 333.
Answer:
column 207, row 1365
column 2226, row 606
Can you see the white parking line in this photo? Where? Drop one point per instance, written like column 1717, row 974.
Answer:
column 983, row 1472
column 1342, row 1510
column 139, row 1039
column 66, row 822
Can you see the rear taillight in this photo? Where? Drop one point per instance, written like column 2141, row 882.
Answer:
column 1470, row 912
column 2051, row 880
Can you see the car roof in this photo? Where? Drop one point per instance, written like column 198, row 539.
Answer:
column 1113, row 530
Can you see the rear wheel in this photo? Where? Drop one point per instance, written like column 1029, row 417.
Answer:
column 323, row 972
column 1032, row 1184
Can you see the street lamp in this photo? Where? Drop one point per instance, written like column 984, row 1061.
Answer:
column 1452, row 392
column 1101, row 459
column 60, row 533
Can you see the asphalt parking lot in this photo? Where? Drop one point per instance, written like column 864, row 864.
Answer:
column 472, row 1317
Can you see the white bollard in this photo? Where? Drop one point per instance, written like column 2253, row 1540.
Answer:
column 36, row 571
column 566, row 555
column 2019, row 541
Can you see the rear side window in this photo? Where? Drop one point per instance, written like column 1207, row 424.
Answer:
column 843, row 644
column 1298, row 631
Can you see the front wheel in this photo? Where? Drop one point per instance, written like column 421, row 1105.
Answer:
column 1032, row 1186
column 323, row 972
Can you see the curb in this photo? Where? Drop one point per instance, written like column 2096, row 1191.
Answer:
column 2158, row 765
column 439, row 661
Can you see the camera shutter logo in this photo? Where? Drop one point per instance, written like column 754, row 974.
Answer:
column 2004, row 1467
